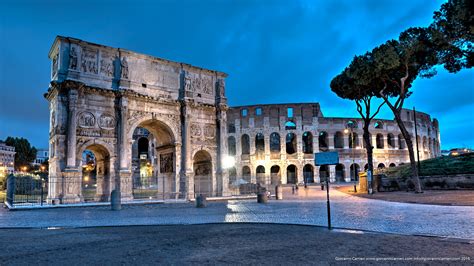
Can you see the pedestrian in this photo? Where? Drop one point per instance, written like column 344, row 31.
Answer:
column 293, row 189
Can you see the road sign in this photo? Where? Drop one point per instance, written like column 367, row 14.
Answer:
column 326, row 158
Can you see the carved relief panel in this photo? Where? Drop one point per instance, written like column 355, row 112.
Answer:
column 166, row 163
column 107, row 64
column 90, row 126
column 199, row 83
column 203, row 133
column 89, row 60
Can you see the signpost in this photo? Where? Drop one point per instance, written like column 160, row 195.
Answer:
column 327, row 158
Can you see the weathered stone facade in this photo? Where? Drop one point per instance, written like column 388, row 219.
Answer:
column 276, row 142
column 99, row 95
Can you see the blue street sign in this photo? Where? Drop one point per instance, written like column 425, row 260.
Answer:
column 326, row 158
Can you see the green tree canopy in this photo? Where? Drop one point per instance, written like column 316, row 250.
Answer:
column 25, row 153
column 453, row 30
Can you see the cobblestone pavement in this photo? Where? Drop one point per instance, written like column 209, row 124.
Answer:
column 308, row 207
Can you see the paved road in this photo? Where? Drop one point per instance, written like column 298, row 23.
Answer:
column 309, row 207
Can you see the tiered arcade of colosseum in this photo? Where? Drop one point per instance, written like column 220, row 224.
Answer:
column 275, row 143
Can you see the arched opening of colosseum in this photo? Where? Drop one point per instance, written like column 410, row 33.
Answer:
column 353, row 140
column 275, row 145
column 202, row 165
column 338, row 140
column 230, row 128
column 246, row 174
column 153, row 154
column 340, row 172
column 323, row 173
column 290, row 125
column 275, row 175
column 354, row 168
column 291, row 174
column 378, row 125
column 290, row 143
column 260, row 146
column 95, row 164
column 245, row 143
column 391, row 140
column 231, row 146
column 232, row 176
column 307, row 142
column 379, row 141
column 308, row 173
column 323, row 141
column 261, row 175
column 401, row 142
column 381, row 166
column 391, row 165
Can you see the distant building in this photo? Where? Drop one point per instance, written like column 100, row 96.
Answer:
column 41, row 156
column 7, row 158
column 459, row 151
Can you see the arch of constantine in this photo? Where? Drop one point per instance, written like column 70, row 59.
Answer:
column 119, row 119
column 101, row 96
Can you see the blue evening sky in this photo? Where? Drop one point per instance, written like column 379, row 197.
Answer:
column 274, row 51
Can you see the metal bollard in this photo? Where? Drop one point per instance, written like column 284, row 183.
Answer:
column 278, row 192
column 10, row 189
column 262, row 197
column 200, row 201
column 115, row 201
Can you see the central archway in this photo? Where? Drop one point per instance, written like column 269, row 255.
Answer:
column 153, row 160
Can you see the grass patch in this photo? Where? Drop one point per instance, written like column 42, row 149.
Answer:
column 449, row 165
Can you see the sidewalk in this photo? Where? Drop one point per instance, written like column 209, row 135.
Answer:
column 346, row 212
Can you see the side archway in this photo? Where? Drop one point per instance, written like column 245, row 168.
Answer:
column 202, row 167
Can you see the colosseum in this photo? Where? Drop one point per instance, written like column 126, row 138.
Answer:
column 275, row 143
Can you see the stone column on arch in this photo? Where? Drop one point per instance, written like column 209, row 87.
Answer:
column 71, row 181
column 186, row 175
column 71, row 130
column 222, row 177
column 124, row 178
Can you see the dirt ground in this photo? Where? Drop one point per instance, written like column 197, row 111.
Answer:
column 224, row 244
column 439, row 197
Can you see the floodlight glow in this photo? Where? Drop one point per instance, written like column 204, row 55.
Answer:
column 228, row 162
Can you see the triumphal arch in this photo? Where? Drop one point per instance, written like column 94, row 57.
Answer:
column 109, row 102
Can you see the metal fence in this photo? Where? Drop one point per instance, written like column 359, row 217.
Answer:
column 32, row 191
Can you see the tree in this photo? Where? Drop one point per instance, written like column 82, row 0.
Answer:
column 453, row 30
column 398, row 64
column 357, row 83
column 25, row 153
